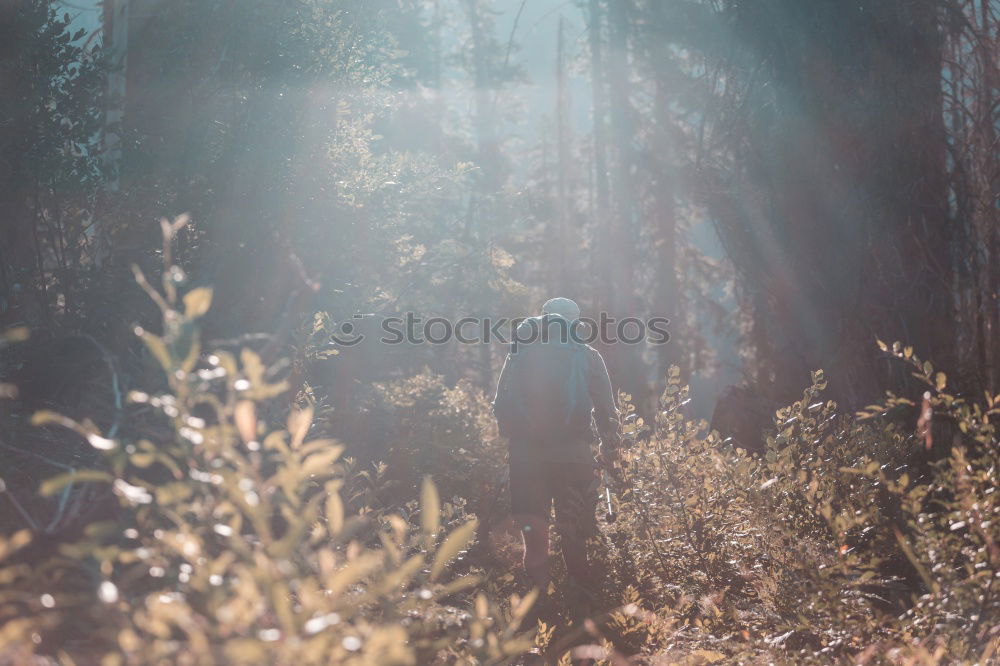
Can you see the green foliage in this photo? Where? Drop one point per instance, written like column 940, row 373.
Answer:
column 828, row 548
column 52, row 116
column 446, row 432
column 245, row 541
column 324, row 149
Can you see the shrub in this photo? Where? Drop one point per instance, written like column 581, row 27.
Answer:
column 242, row 541
column 445, row 432
column 825, row 548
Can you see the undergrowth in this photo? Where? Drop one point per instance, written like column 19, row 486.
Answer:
column 240, row 538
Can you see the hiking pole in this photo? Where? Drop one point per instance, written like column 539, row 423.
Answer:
column 609, row 514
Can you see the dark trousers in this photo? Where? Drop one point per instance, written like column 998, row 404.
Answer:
column 535, row 485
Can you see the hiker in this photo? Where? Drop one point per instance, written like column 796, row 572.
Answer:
column 551, row 396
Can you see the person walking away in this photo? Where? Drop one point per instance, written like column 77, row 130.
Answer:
column 553, row 396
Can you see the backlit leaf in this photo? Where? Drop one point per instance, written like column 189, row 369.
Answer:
column 197, row 302
column 299, row 421
column 430, row 507
column 51, row 486
column 457, row 541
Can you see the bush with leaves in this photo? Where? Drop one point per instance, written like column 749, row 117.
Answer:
column 829, row 547
column 950, row 533
column 242, row 539
column 244, row 542
column 444, row 431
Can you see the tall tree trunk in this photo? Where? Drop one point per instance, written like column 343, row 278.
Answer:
column 562, row 156
column 839, row 222
column 988, row 42
column 666, row 294
column 625, row 359
column 601, row 211
column 486, row 148
column 623, row 219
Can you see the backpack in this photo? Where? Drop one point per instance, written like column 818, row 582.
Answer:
column 545, row 396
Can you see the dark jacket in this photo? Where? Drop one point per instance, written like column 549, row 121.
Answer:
column 530, row 430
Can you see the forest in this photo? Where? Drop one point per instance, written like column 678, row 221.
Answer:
column 215, row 213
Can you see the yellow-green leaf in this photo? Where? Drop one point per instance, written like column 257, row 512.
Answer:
column 299, row 523
column 253, row 367
column 51, row 486
column 191, row 359
column 321, row 462
column 457, row 541
column 457, row 585
column 245, row 417
column 299, row 421
column 47, row 416
column 334, row 513
column 402, row 574
column 13, row 543
column 523, row 606
column 430, row 507
column 158, row 349
column 15, row 334
column 197, row 302
column 352, row 572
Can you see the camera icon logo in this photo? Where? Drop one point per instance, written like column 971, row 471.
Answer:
column 347, row 334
